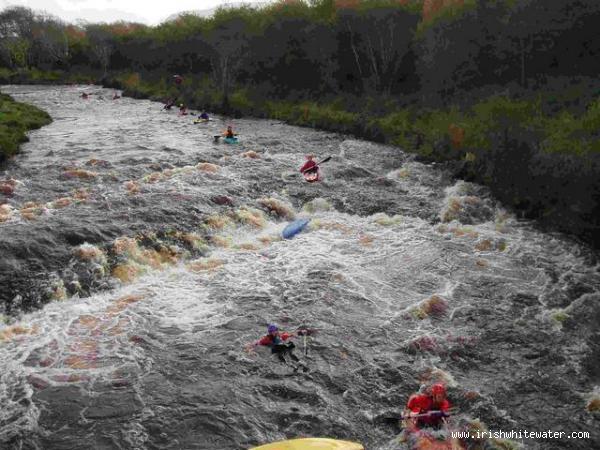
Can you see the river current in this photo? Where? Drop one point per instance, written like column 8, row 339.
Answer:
column 139, row 257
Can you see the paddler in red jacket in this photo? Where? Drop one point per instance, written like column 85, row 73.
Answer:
column 309, row 164
column 280, row 344
column 310, row 169
column 429, row 409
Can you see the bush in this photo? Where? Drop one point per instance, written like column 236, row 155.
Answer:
column 15, row 120
column 240, row 102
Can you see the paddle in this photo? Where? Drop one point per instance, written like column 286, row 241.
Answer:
column 305, row 332
column 432, row 413
column 318, row 164
column 396, row 419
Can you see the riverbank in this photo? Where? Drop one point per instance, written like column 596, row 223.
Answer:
column 16, row 119
column 538, row 150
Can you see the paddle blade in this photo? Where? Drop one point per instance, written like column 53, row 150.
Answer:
column 307, row 331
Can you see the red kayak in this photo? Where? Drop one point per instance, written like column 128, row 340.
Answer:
column 311, row 176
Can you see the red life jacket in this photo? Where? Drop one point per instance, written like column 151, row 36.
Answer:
column 421, row 404
column 270, row 341
column 308, row 165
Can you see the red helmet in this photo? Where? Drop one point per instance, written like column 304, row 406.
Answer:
column 438, row 389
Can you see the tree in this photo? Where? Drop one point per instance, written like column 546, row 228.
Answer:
column 16, row 35
column 228, row 42
column 379, row 38
column 558, row 37
column 51, row 36
column 290, row 46
column 529, row 32
column 102, row 44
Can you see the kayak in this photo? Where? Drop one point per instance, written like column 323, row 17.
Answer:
column 201, row 120
column 294, row 228
column 231, row 140
column 311, row 177
column 311, row 444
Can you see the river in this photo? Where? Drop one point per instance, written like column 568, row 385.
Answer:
column 139, row 258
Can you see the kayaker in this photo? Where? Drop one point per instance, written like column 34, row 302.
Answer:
column 310, row 169
column 182, row 110
column 431, row 408
column 170, row 103
column 84, row 95
column 310, row 165
column 203, row 116
column 116, row 96
column 276, row 341
column 229, row 133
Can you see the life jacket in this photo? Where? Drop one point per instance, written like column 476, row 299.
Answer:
column 275, row 340
column 423, row 403
column 309, row 166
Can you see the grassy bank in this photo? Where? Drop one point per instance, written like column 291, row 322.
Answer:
column 538, row 151
column 15, row 120
column 51, row 77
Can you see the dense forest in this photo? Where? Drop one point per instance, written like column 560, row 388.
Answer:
column 506, row 91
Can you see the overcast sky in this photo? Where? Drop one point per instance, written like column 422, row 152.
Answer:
column 146, row 11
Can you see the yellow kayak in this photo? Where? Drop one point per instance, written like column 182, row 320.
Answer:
column 311, row 444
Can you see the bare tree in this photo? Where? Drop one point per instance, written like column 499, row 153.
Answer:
column 51, row 36
column 534, row 27
column 379, row 39
column 101, row 44
column 228, row 42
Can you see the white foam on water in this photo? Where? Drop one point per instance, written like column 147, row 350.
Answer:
column 366, row 271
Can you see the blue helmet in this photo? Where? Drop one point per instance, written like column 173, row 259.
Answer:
column 272, row 328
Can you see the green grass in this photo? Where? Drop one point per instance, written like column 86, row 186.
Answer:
column 15, row 120
column 5, row 73
column 39, row 75
column 32, row 75
column 454, row 134
column 427, row 131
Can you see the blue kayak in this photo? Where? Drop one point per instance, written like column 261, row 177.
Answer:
column 294, row 228
column 229, row 140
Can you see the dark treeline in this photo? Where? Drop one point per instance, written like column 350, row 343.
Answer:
column 505, row 87
column 324, row 47
column 290, row 49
